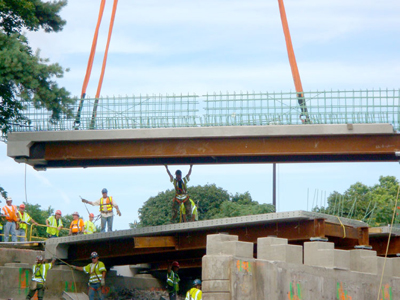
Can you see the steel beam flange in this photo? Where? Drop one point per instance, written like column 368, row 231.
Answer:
column 364, row 247
column 318, row 239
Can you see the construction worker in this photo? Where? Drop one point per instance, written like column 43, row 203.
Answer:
column 195, row 214
column 173, row 280
column 39, row 274
column 89, row 227
column 195, row 292
column 97, row 273
column 54, row 224
column 10, row 212
column 181, row 196
column 106, row 204
column 77, row 225
column 1, row 231
column 24, row 221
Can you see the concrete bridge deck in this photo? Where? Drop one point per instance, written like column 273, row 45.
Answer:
column 186, row 242
column 205, row 145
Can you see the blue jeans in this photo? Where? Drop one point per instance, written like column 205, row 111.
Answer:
column 21, row 235
column 109, row 221
column 95, row 288
column 10, row 228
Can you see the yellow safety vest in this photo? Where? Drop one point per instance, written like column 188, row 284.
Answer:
column 89, row 227
column 53, row 222
column 24, row 218
column 39, row 272
column 108, row 204
column 194, row 294
column 95, row 271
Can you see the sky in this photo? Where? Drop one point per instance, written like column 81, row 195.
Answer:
column 191, row 46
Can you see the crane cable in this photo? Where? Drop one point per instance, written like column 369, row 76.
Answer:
column 388, row 243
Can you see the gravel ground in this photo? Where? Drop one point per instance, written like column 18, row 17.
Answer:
column 126, row 294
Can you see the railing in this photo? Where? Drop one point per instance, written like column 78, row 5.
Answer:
column 223, row 109
column 30, row 237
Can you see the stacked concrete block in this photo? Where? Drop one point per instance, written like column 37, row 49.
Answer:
column 324, row 254
column 278, row 249
column 227, row 269
column 388, row 265
column 364, row 261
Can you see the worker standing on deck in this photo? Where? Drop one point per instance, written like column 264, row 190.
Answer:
column 25, row 218
column 77, row 225
column 195, row 292
column 106, row 204
column 181, row 196
column 39, row 274
column 54, row 224
column 11, row 214
column 89, row 227
column 97, row 273
column 173, row 280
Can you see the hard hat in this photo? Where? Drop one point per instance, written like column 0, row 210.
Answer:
column 91, row 215
column 76, row 213
column 178, row 172
column 175, row 264
column 9, row 199
column 22, row 206
column 39, row 258
column 104, row 191
column 94, row 255
column 58, row 212
column 197, row 282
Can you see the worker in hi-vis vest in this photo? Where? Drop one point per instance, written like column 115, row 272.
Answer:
column 107, row 205
column 89, row 227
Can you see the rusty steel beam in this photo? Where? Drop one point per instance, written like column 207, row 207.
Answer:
column 191, row 246
column 251, row 144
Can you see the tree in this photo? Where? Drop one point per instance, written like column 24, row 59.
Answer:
column 212, row 202
column 373, row 205
column 24, row 76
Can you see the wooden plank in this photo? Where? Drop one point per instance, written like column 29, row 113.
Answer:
column 154, row 242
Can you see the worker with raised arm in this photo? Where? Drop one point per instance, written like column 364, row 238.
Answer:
column 181, row 196
column 25, row 218
column 39, row 275
column 97, row 272
column 107, row 205
column 173, row 280
column 54, row 225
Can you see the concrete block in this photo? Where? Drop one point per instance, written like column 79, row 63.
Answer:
column 214, row 242
column 17, row 265
column 216, row 296
column 216, row 267
column 311, row 249
column 235, row 248
column 364, row 261
column 388, row 266
column 322, row 254
column 396, row 266
column 209, row 286
column 278, row 250
column 269, row 241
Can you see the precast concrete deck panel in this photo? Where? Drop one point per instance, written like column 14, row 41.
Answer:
column 205, row 145
column 118, row 247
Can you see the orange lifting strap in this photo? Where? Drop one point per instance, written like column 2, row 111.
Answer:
column 93, row 50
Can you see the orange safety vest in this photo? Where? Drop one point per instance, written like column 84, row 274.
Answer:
column 77, row 226
column 11, row 214
column 108, row 204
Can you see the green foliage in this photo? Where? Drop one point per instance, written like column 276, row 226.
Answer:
column 3, row 193
column 24, row 76
column 373, row 205
column 212, row 202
